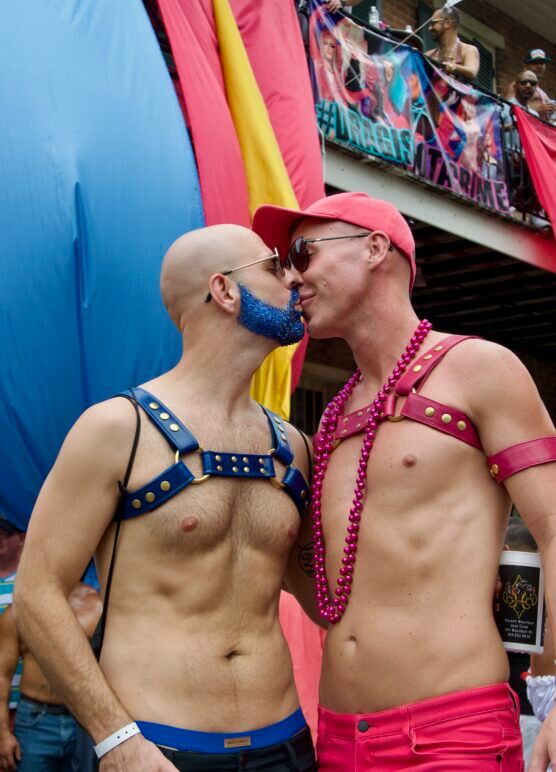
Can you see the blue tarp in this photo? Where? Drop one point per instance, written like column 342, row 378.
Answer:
column 97, row 179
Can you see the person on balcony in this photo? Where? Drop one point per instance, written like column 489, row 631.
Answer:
column 536, row 61
column 525, row 84
column 460, row 60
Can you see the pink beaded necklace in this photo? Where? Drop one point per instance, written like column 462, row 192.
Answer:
column 331, row 607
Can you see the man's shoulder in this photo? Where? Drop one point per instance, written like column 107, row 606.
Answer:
column 492, row 374
column 485, row 366
column 104, row 430
column 486, row 354
column 108, row 418
column 469, row 47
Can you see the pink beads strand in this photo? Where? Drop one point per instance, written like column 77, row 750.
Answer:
column 332, row 607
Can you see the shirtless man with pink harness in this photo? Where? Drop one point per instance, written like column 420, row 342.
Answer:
column 417, row 461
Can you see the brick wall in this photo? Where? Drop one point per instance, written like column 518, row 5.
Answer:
column 518, row 38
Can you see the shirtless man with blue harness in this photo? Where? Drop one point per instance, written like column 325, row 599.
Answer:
column 191, row 496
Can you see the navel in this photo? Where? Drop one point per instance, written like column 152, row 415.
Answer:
column 189, row 524
column 409, row 460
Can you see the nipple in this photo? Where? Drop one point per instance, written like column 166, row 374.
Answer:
column 292, row 533
column 409, row 460
column 189, row 524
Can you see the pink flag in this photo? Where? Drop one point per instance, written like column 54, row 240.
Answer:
column 190, row 28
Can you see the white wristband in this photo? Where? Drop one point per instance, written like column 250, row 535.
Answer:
column 119, row 737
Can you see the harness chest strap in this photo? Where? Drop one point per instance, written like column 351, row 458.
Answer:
column 219, row 464
column 437, row 415
column 522, row 456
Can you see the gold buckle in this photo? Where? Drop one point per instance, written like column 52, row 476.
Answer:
column 197, row 480
column 396, row 418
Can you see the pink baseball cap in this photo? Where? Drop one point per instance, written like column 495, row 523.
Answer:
column 275, row 224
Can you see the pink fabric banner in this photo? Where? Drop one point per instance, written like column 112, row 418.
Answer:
column 190, row 28
column 539, row 142
column 272, row 37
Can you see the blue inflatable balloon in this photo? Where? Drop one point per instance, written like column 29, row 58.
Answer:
column 98, row 178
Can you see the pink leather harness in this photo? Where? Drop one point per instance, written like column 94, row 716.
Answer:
column 445, row 418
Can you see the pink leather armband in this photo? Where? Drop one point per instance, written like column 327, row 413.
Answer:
column 522, row 456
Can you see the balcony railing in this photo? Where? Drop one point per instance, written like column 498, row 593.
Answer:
column 389, row 104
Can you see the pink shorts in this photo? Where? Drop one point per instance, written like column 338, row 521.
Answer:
column 477, row 729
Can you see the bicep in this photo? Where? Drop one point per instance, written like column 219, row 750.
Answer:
column 511, row 412
column 300, row 572
column 508, row 407
column 75, row 506
column 472, row 60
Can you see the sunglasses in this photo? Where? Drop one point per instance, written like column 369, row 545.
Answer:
column 528, row 82
column 298, row 254
column 277, row 266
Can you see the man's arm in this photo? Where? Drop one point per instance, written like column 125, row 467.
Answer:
column 300, row 574
column 469, row 66
column 299, row 577
column 507, row 410
column 336, row 5
column 10, row 752
column 74, row 509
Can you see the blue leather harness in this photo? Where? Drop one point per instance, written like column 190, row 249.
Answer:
column 215, row 464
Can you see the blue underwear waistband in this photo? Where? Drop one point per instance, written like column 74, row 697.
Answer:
column 223, row 742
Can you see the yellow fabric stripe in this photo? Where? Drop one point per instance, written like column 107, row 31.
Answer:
column 267, row 179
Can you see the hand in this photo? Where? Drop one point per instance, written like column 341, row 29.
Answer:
column 333, row 5
column 546, row 110
column 544, row 749
column 136, row 755
column 10, row 752
column 449, row 67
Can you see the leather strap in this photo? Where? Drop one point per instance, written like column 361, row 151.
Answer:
column 442, row 417
column 282, row 449
column 421, row 368
column 178, row 476
column 522, row 456
column 296, row 487
column 433, row 414
column 237, row 464
column 178, row 436
column 157, row 491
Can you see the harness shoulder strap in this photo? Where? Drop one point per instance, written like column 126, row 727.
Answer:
column 421, row 368
column 177, row 435
column 283, row 451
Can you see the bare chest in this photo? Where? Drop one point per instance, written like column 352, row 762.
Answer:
column 215, row 510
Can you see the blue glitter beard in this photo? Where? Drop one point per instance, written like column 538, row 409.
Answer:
column 281, row 324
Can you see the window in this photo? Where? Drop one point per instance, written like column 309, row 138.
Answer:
column 317, row 386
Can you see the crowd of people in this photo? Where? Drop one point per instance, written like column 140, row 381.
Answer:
column 365, row 74
column 196, row 526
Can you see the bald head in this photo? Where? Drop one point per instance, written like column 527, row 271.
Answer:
column 195, row 257
column 525, row 85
